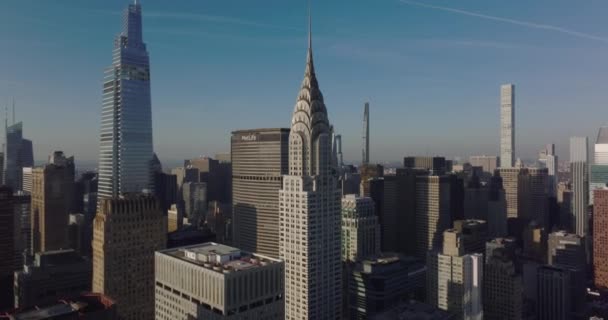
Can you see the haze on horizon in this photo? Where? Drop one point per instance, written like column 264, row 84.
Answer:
column 430, row 69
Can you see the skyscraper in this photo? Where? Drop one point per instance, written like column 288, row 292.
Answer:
column 338, row 146
column 598, row 171
column 310, row 200
column 17, row 155
column 507, row 125
column 502, row 284
column 52, row 188
column 7, row 240
column 126, row 233
column 600, row 239
column 365, row 147
column 432, row 213
column 125, row 139
column 259, row 161
column 580, row 184
column 360, row 228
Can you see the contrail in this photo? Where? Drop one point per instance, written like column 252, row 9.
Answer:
column 511, row 21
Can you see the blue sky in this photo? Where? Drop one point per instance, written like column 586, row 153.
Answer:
column 431, row 70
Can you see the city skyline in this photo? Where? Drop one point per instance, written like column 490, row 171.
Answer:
column 453, row 73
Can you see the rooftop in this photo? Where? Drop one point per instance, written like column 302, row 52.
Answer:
column 219, row 257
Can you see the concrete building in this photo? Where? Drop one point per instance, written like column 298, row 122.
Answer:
column 259, row 161
column 432, row 213
column 579, row 176
column 310, row 200
column 377, row 284
column 125, row 140
column 360, row 228
column 52, row 188
column 600, row 239
column 7, row 246
column 487, row 163
column 507, row 125
column 454, row 281
column 214, row 281
column 126, row 233
column 51, row 276
column 502, row 282
column 365, row 142
column 87, row 306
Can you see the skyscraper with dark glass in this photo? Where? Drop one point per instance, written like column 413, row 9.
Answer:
column 17, row 155
column 125, row 141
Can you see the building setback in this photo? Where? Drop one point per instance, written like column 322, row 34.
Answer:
column 188, row 280
column 126, row 232
column 259, row 161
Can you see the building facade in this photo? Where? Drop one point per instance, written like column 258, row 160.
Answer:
column 188, row 280
column 360, row 228
column 600, row 239
column 126, row 232
column 309, row 210
column 7, row 246
column 502, row 282
column 580, row 184
column 259, row 161
column 507, row 125
column 125, row 139
column 432, row 213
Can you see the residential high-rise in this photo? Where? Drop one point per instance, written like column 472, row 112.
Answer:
column 310, row 200
column 580, row 184
column 502, row 284
column 507, row 125
column 259, row 161
column 189, row 280
column 360, row 228
column 454, row 281
column 600, row 239
column 52, row 188
column 377, row 284
column 53, row 275
column 365, row 147
column 125, row 139
column 7, row 240
column 432, row 213
column 127, row 231
column 17, row 155
column 487, row 163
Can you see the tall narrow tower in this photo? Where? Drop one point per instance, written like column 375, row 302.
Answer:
column 125, row 139
column 365, row 146
column 309, row 210
column 579, row 175
column 507, row 125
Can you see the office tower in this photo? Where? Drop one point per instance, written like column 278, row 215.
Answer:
column 174, row 219
column 17, row 155
column 84, row 186
column 377, row 284
column 77, row 234
column 454, row 281
column 52, row 187
column 600, row 239
column 566, row 249
column 580, row 185
column 538, row 206
column 564, row 200
column 487, row 163
column 26, row 179
column 22, row 202
column 413, row 309
column 598, row 179
column 497, row 208
column 432, row 213
column 474, row 234
column 457, row 187
column 476, row 199
column 365, row 147
column 217, row 176
column 338, row 146
column 369, row 172
column 350, row 182
column 195, row 201
column 515, row 182
column 188, row 280
column 310, row 199
column 218, row 220
column 507, row 125
column 87, row 306
column 601, row 146
column 360, row 228
column 554, row 295
column 127, row 231
column 435, row 165
column 502, row 283
column 534, row 242
column 53, row 275
column 259, row 161
column 165, row 189
column 7, row 246
column 125, row 140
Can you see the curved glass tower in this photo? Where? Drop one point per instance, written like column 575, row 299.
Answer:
column 125, row 141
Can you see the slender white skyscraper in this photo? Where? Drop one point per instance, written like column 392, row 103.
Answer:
column 365, row 146
column 580, row 184
column 125, row 140
column 309, row 210
column 507, row 125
